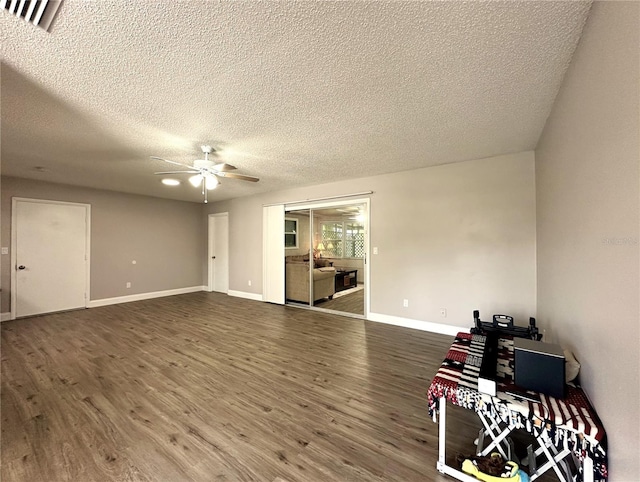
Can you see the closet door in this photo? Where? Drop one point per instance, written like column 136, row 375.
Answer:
column 273, row 254
column 298, row 248
column 51, row 256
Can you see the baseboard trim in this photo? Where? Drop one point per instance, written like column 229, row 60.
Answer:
column 416, row 324
column 5, row 317
column 246, row 295
column 144, row 296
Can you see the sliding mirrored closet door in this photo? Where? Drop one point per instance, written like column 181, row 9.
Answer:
column 297, row 234
column 325, row 257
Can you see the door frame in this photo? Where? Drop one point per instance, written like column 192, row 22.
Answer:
column 210, row 270
column 367, row 257
column 14, row 246
column 273, row 269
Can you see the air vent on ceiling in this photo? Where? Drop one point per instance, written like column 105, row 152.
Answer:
column 37, row 12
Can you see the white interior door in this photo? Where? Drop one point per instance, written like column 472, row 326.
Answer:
column 50, row 256
column 219, row 252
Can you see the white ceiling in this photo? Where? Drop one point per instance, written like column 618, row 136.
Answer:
column 295, row 93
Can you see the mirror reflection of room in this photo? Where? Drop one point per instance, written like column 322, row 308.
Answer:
column 334, row 238
column 296, row 245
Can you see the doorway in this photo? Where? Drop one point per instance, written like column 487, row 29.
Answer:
column 49, row 257
column 218, row 265
column 333, row 238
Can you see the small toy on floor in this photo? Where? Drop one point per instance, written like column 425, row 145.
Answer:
column 492, row 468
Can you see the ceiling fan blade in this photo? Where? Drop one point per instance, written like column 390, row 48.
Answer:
column 223, row 167
column 232, row 175
column 176, row 172
column 167, row 160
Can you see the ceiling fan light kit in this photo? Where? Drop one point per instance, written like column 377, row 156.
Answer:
column 195, row 180
column 211, row 182
column 205, row 172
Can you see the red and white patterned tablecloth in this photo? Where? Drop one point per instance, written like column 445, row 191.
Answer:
column 570, row 422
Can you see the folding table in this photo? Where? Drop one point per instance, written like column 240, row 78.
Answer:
column 562, row 428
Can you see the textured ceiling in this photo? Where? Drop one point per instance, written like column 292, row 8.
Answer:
column 295, row 93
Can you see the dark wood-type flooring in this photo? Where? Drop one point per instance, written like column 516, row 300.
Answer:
column 205, row 387
column 349, row 303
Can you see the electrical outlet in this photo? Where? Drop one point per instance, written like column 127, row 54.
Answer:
column 375, row 250
column 405, row 303
column 128, row 284
column 443, row 312
column 5, row 250
column 249, row 282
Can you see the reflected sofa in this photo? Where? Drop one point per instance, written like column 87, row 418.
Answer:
column 297, row 279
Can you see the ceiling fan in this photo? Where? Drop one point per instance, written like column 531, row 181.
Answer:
column 206, row 172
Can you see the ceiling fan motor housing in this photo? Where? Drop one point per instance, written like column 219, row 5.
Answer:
column 203, row 164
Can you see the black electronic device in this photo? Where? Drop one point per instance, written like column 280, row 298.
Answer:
column 503, row 324
column 539, row 367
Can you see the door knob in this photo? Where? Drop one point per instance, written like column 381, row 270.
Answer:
column 21, row 267
column 213, row 257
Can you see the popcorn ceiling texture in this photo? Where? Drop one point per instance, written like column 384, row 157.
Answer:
column 295, row 93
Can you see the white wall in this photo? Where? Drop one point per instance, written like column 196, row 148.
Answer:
column 588, row 223
column 458, row 236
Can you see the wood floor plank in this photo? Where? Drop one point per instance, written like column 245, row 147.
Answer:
column 204, row 387
column 348, row 303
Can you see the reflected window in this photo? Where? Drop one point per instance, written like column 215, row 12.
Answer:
column 342, row 239
column 290, row 233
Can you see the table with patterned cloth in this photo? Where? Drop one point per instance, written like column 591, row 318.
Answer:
column 570, row 423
